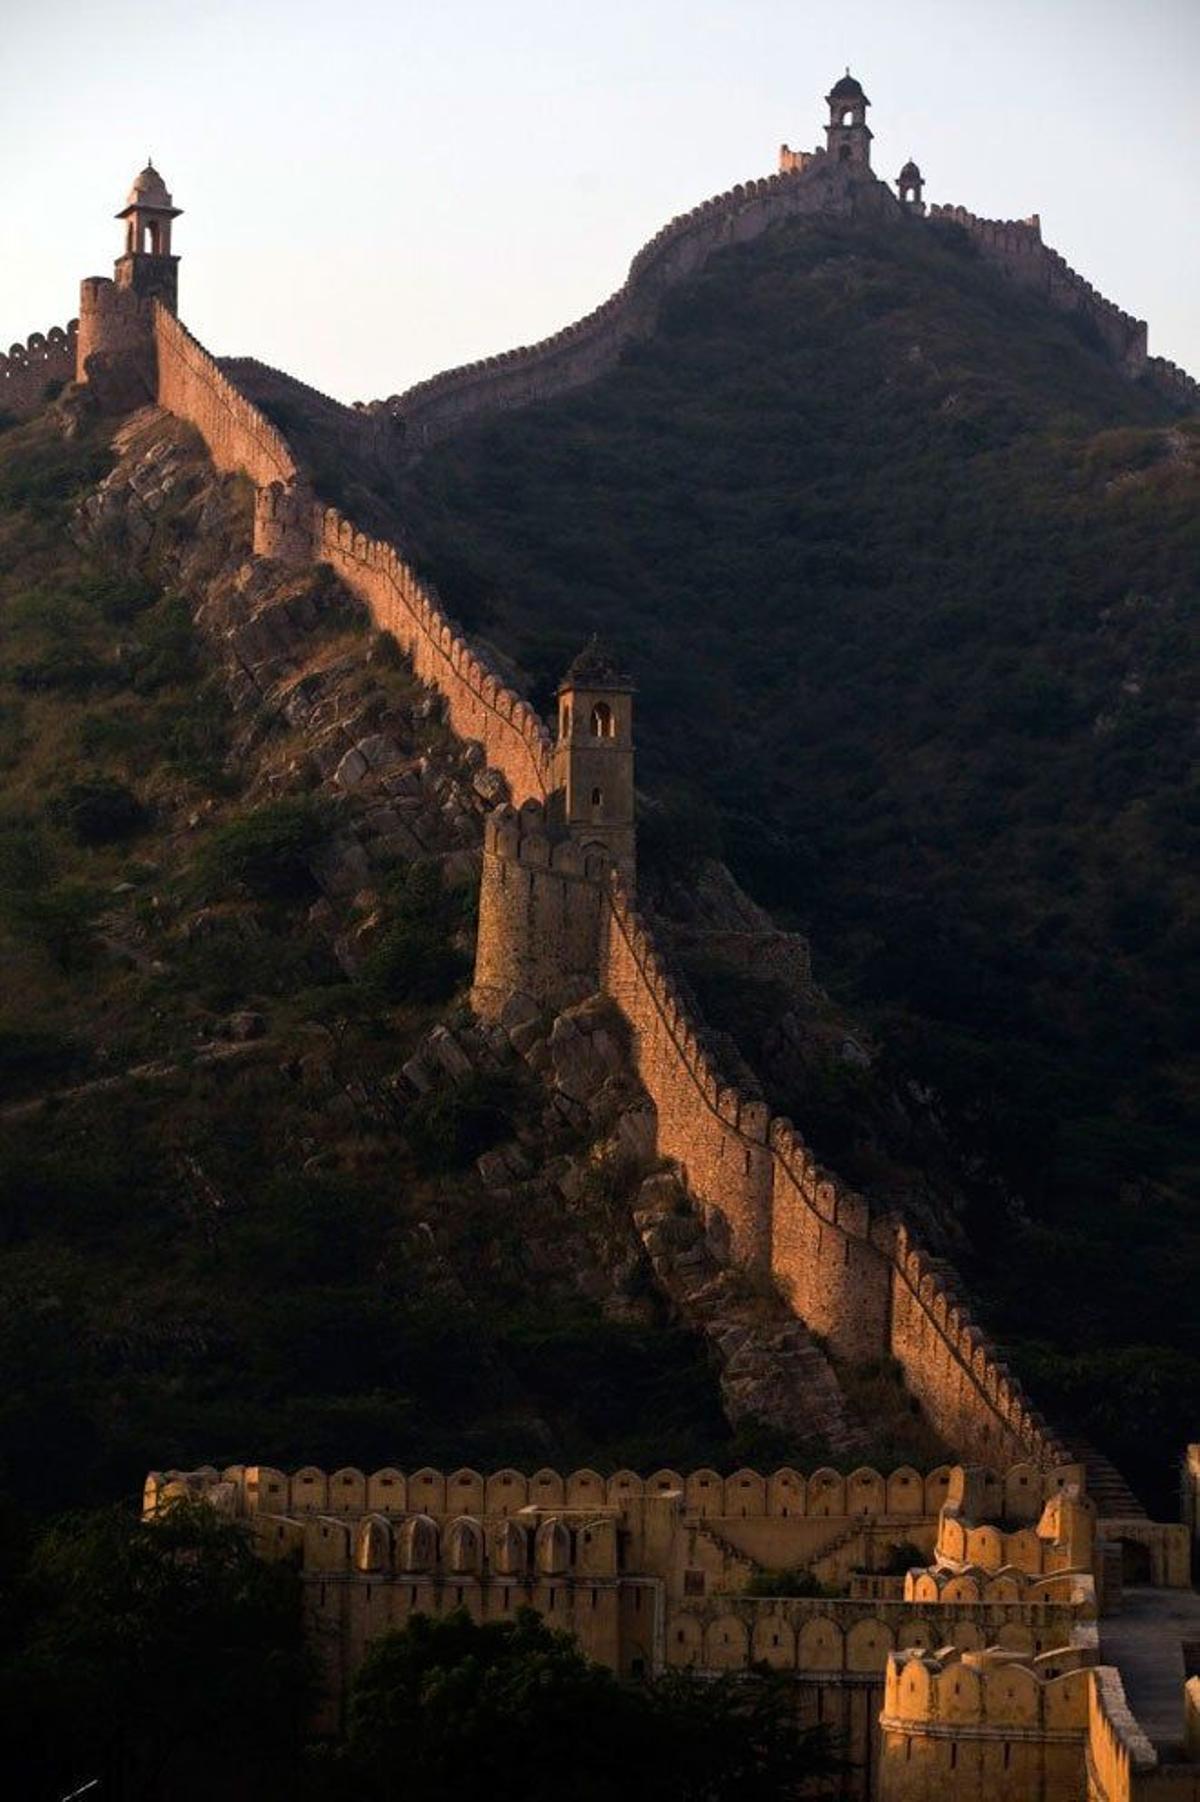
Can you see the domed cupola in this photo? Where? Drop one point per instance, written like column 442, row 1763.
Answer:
column 847, row 135
column 148, row 266
column 910, row 184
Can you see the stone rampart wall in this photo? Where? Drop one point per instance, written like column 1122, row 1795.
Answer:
column 964, row 1386
column 478, row 704
column 838, row 1634
column 28, row 368
column 704, row 1494
column 190, row 385
column 580, row 352
column 1017, row 246
column 717, row 1134
column 539, row 911
column 856, row 1279
column 1174, row 383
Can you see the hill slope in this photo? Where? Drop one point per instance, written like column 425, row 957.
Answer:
column 907, row 574
column 227, row 1230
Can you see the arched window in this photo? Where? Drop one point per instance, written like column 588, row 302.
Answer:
column 597, row 800
column 603, row 724
column 844, row 154
column 565, row 728
column 848, row 116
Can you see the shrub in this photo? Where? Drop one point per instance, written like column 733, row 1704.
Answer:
column 413, row 958
column 98, row 811
column 32, row 1056
column 267, row 852
column 787, row 1583
column 452, row 1127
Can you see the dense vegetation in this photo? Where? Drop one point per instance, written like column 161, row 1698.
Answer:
column 215, row 1247
column 139, row 1661
column 907, row 575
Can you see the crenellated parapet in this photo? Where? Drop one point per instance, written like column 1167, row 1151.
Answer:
column 811, row 184
column 963, row 1384
column 1016, row 247
column 190, row 384
column 539, row 911
column 29, row 368
column 786, row 1494
column 852, row 1275
column 986, row 1726
column 479, row 704
column 1173, row 383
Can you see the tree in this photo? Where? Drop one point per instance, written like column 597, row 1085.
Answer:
column 441, row 1707
column 161, row 1658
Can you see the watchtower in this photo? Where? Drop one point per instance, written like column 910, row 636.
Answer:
column 593, row 755
column 910, row 184
column 147, row 265
column 848, row 136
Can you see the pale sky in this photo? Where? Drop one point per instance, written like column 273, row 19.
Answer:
column 377, row 189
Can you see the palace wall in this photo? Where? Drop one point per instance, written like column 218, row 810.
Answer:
column 28, row 369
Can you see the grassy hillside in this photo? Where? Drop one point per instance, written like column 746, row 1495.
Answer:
column 217, row 1241
column 907, row 575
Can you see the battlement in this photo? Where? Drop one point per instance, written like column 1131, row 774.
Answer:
column 191, row 385
column 746, row 1494
column 1017, row 247
column 855, row 1277
column 580, row 352
column 992, row 1691
column 29, row 368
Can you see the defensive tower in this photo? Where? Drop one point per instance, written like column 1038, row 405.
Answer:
column 593, row 758
column 115, row 351
column 544, row 865
column 847, row 135
column 148, row 266
column 910, row 185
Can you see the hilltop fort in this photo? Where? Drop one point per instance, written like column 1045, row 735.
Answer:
column 982, row 1673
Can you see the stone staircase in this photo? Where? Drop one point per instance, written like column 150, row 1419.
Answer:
column 740, row 1560
column 827, row 1553
column 1112, row 1495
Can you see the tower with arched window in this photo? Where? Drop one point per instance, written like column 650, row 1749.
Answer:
column 594, row 755
column 910, row 185
column 847, row 135
column 147, row 265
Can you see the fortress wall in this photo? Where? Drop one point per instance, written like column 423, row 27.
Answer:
column 837, row 1276
column 900, row 1497
column 28, row 368
column 987, row 1731
column 858, row 1281
column 478, row 705
column 1017, row 246
column 580, row 352
column 114, row 323
column 966, row 1390
column 714, row 1132
column 354, row 430
column 191, row 386
column 539, row 912
column 1121, row 1762
column 1173, row 383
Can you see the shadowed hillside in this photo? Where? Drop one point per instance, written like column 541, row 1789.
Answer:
column 907, row 575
